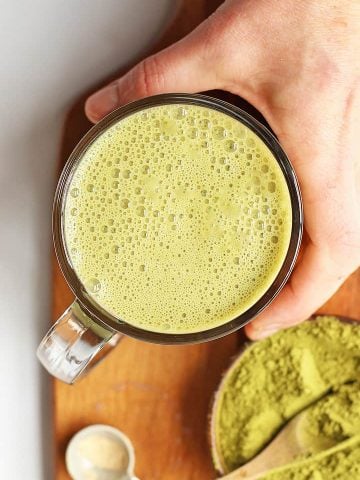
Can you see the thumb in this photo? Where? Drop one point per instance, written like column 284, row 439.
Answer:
column 182, row 67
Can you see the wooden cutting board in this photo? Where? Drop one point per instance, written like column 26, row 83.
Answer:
column 158, row 395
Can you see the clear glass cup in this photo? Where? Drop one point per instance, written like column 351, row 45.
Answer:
column 86, row 332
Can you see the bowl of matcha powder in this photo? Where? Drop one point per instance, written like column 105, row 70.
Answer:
column 317, row 364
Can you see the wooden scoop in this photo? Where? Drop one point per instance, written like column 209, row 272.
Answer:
column 290, row 442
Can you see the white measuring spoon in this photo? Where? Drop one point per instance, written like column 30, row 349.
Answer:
column 82, row 467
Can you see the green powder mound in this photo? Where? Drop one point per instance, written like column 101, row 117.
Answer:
column 276, row 378
column 332, row 419
column 338, row 463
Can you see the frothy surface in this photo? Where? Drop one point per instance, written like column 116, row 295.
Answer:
column 177, row 219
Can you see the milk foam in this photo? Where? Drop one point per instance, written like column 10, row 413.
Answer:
column 177, row 219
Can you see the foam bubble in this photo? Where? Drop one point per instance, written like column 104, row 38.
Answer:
column 231, row 146
column 93, row 285
column 271, row 187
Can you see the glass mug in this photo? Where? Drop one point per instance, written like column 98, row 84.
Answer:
column 86, row 331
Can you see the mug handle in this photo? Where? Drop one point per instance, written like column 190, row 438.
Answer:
column 74, row 344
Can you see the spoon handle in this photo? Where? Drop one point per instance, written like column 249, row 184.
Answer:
column 283, row 449
column 242, row 474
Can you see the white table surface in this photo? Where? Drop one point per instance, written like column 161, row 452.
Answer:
column 50, row 52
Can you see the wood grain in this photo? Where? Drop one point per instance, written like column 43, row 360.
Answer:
column 158, row 395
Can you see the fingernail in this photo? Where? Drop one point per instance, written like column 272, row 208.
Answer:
column 102, row 102
column 259, row 332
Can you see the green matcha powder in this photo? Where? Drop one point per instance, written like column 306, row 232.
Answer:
column 338, row 463
column 278, row 377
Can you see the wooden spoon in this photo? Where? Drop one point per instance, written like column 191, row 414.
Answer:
column 292, row 441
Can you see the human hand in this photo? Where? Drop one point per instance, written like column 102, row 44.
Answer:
column 298, row 63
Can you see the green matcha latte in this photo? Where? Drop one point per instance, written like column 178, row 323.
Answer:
column 177, row 219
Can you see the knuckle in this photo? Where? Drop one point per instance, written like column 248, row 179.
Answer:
column 149, row 77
